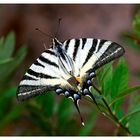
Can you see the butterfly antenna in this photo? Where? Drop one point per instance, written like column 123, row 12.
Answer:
column 44, row 33
column 76, row 104
column 58, row 27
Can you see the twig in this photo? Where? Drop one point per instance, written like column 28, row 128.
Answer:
column 119, row 124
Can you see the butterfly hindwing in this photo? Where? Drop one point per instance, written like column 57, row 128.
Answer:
column 43, row 75
column 90, row 54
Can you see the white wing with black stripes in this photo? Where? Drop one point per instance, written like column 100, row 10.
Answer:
column 43, row 75
column 90, row 53
column 68, row 68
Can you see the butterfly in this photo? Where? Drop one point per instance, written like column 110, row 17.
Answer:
column 68, row 68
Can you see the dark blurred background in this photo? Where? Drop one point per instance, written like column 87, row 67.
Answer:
column 105, row 21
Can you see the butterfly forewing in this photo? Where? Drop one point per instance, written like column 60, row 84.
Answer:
column 88, row 53
column 43, row 75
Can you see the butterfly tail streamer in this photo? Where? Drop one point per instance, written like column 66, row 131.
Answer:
column 89, row 94
column 76, row 105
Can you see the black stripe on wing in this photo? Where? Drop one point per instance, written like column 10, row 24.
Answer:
column 113, row 51
column 101, row 44
column 50, row 52
column 91, row 51
column 39, row 75
column 67, row 45
column 38, row 64
column 27, row 91
column 84, row 40
column 26, row 77
column 76, row 46
column 47, row 61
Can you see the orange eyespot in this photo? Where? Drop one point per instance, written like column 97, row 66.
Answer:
column 78, row 79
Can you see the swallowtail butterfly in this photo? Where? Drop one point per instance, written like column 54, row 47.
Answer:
column 68, row 68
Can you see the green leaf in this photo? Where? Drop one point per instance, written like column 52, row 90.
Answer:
column 107, row 81
column 6, row 100
column 134, row 122
column 135, row 110
column 89, row 124
column 8, row 48
column 69, row 128
column 64, row 111
column 8, row 68
column 102, row 73
column 11, row 116
column 39, row 119
column 20, row 55
column 120, row 78
column 10, row 92
column 46, row 102
column 6, row 61
column 99, row 100
column 96, row 95
column 1, row 43
column 119, row 83
column 125, row 93
column 136, row 25
column 132, row 41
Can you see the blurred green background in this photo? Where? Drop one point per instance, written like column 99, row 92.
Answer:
column 52, row 115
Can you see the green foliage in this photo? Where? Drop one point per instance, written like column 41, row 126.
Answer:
column 8, row 65
column 121, row 83
column 136, row 25
column 50, row 116
column 113, row 84
column 46, row 104
column 134, row 115
column 91, row 120
column 64, row 111
column 132, row 38
column 126, row 92
column 7, row 46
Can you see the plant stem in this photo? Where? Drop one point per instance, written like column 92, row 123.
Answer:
column 119, row 124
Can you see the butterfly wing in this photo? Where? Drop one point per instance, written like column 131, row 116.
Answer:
column 43, row 75
column 90, row 54
column 84, row 57
column 47, row 74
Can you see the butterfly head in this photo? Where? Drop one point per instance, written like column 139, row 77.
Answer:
column 56, row 42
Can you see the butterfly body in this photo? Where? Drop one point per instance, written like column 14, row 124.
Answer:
column 68, row 68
